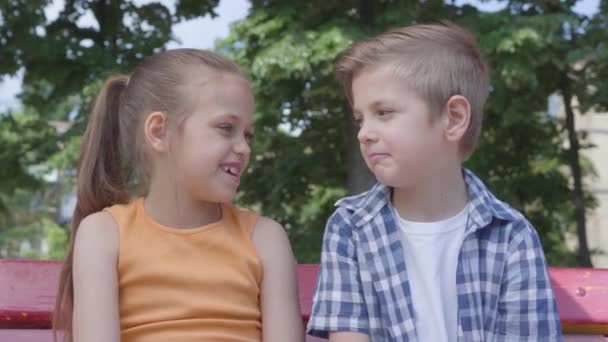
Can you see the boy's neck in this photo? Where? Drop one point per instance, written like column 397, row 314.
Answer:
column 165, row 205
column 441, row 196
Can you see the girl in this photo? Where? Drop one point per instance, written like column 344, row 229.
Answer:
column 180, row 263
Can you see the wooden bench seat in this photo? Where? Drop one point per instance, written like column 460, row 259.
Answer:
column 27, row 296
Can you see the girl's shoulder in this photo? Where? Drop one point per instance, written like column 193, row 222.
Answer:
column 245, row 219
column 270, row 239
column 88, row 251
column 263, row 230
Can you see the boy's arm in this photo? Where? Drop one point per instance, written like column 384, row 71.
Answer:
column 281, row 317
column 527, row 307
column 338, row 304
column 95, row 316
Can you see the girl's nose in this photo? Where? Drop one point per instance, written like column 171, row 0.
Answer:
column 242, row 147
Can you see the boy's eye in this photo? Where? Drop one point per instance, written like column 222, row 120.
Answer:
column 226, row 127
column 248, row 136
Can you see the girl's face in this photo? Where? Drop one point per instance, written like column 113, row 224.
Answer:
column 211, row 148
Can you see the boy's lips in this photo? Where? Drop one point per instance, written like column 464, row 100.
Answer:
column 376, row 157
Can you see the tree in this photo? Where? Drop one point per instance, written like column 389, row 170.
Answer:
column 289, row 49
column 61, row 56
column 64, row 60
column 565, row 53
column 308, row 156
column 582, row 76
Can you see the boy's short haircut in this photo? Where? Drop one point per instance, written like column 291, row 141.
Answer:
column 437, row 60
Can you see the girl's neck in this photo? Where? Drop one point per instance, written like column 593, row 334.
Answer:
column 442, row 195
column 169, row 206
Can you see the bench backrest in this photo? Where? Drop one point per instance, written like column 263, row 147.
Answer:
column 28, row 288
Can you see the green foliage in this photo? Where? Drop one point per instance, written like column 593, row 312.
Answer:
column 298, row 172
column 303, row 148
column 57, row 240
column 43, row 231
column 64, row 62
column 289, row 50
column 25, row 140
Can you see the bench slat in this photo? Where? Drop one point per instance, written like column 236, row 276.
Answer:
column 42, row 335
column 28, row 289
column 27, row 292
column 582, row 298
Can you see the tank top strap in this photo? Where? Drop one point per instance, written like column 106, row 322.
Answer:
column 123, row 213
column 244, row 219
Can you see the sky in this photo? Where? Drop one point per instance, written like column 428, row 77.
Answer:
column 202, row 32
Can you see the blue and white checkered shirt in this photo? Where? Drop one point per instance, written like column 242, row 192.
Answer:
column 504, row 292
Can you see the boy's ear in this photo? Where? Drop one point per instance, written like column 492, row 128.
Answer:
column 155, row 131
column 457, row 117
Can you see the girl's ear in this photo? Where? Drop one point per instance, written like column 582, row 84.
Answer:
column 457, row 118
column 155, row 131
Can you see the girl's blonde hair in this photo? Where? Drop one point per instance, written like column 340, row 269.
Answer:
column 113, row 141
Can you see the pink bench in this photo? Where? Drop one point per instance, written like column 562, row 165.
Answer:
column 27, row 295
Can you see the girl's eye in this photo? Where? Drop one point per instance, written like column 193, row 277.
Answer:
column 384, row 112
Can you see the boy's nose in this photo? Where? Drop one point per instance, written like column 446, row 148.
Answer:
column 365, row 134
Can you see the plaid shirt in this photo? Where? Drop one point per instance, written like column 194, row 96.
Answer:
column 504, row 292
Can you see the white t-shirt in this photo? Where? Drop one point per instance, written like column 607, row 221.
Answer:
column 431, row 257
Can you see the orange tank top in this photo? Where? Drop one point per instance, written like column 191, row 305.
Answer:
column 182, row 285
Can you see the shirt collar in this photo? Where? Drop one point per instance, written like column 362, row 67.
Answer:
column 484, row 205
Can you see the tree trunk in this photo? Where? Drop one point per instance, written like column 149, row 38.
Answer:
column 109, row 17
column 359, row 177
column 584, row 257
column 367, row 15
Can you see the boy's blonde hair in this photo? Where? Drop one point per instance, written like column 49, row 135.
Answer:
column 437, row 61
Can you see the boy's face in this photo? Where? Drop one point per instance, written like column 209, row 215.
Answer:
column 400, row 139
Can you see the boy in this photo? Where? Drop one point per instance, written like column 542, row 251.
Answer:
column 428, row 254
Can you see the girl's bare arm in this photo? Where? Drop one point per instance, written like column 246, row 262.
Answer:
column 95, row 280
column 281, row 317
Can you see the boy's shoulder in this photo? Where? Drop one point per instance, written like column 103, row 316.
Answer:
column 500, row 217
column 485, row 208
column 484, row 203
column 358, row 208
column 355, row 202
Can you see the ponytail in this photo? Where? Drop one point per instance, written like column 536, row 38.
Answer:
column 155, row 84
column 100, row 184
